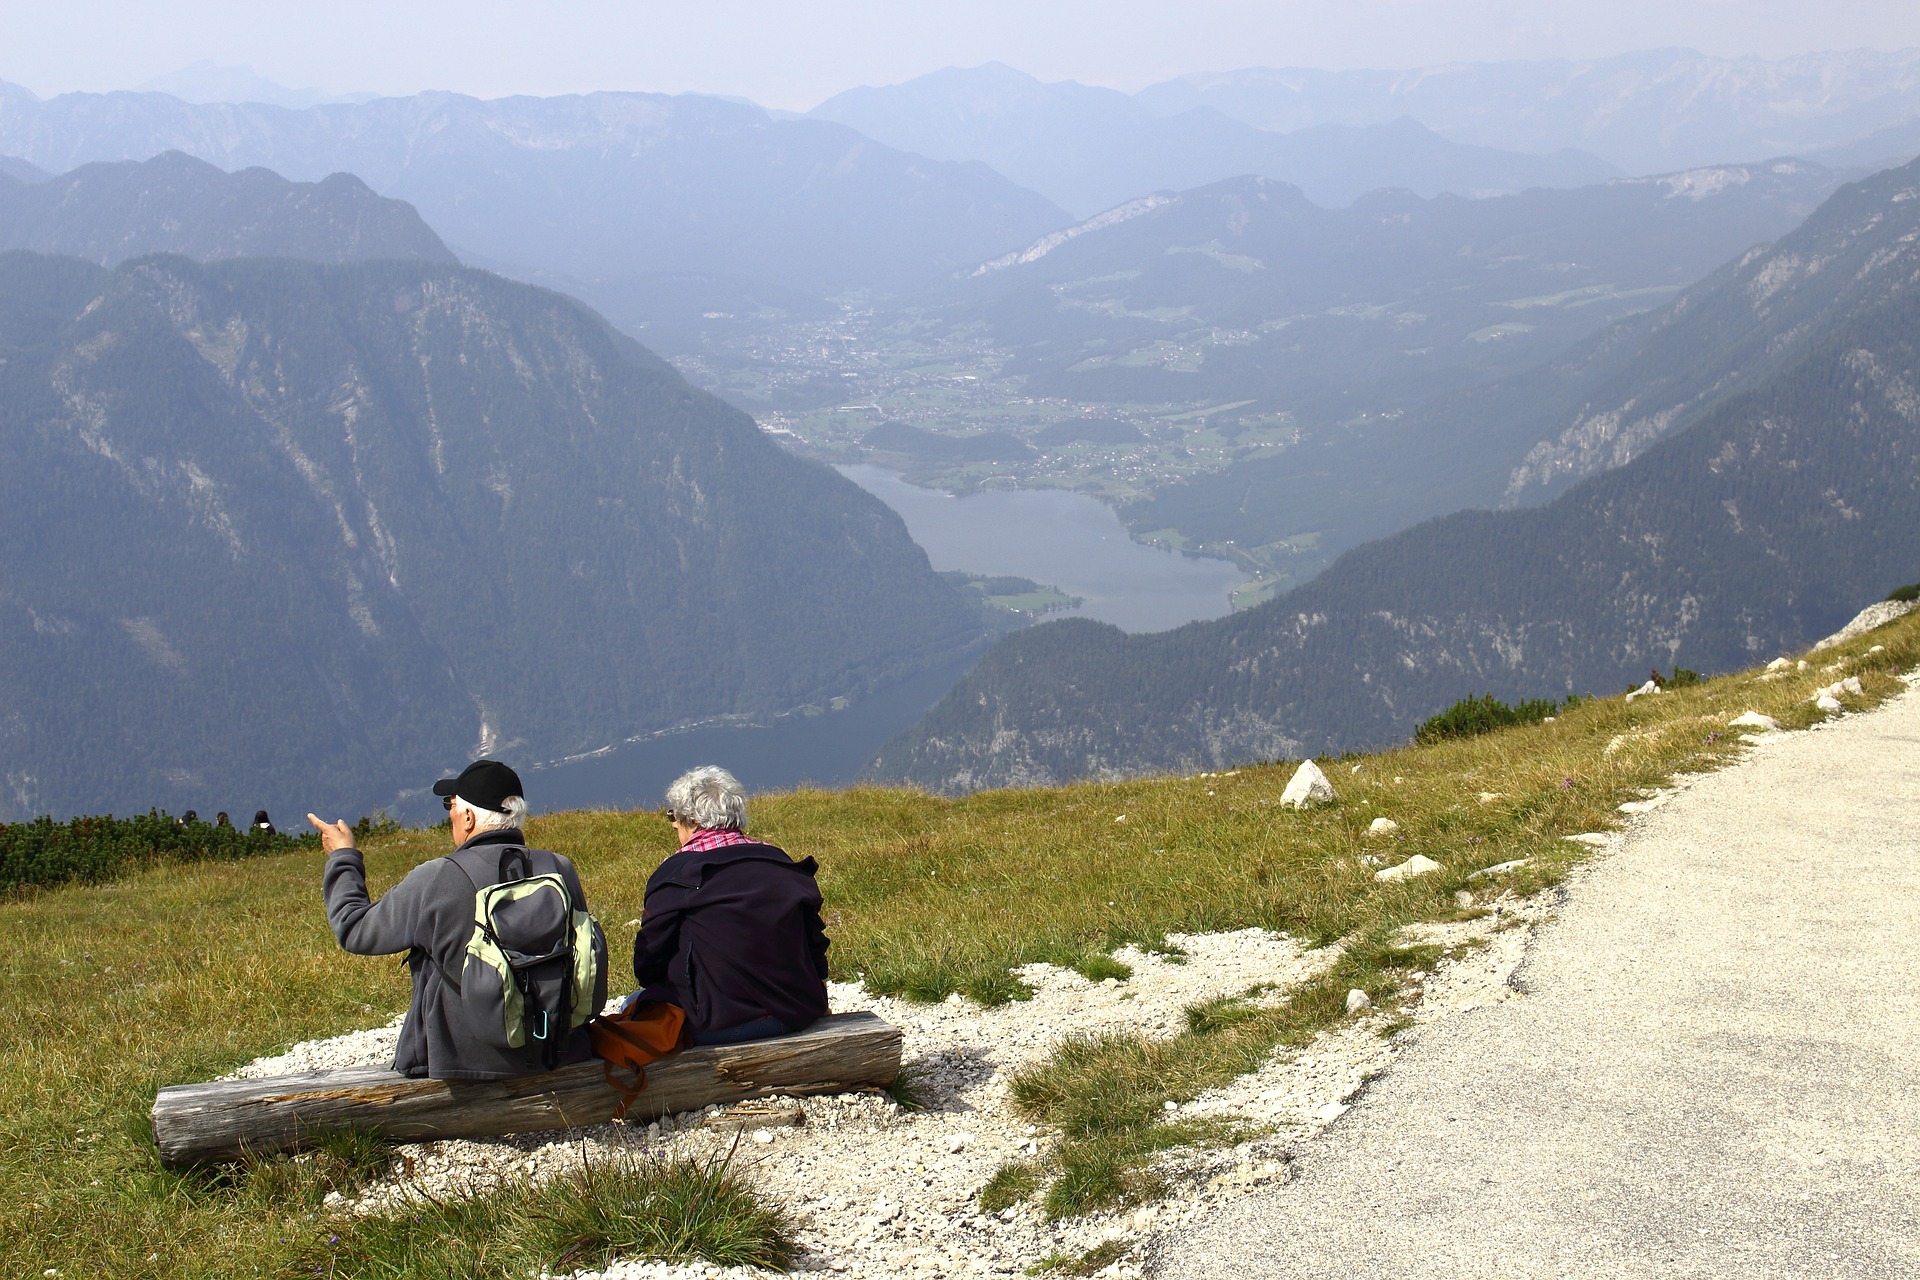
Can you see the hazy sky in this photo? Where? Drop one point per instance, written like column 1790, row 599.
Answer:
column 793, row 53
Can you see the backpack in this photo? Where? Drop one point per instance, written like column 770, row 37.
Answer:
column 531, row 967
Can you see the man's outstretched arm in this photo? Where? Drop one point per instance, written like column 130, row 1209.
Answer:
column 367, row 928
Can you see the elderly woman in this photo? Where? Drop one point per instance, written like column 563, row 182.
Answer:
column 731, row 932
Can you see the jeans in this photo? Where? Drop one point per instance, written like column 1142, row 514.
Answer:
column 758, row 1029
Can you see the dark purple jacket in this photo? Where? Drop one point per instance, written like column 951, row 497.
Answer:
column 733, row 935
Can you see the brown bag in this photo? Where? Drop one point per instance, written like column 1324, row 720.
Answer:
column 633, row 1038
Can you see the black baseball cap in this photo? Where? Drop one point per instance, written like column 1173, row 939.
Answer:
column 484, row 783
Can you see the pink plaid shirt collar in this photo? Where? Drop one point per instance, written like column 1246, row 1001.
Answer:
column 714, row 838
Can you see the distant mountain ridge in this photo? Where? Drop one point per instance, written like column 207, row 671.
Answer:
column 1789, row 492
column 1647, row 112
column 293, row 534
column 110, row 212
column 1089, row 149
column 604, row 189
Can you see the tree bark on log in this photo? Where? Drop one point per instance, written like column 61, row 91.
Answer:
column 195, row 1123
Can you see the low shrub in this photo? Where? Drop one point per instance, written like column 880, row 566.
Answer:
column 44, row 852
column 1472, row 716
column 1904, row 595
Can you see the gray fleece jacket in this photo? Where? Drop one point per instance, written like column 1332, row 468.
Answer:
column 430, row 912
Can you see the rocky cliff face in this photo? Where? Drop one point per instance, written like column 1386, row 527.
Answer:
column 276, row 530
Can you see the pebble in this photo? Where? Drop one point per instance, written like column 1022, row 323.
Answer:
column 1754, row 720
column 1358, row 1000
column 1382, row 827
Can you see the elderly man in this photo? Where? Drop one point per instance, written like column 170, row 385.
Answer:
column 731, row 932
column 430, row 916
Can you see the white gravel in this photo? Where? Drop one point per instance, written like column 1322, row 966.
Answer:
column 877, row 1190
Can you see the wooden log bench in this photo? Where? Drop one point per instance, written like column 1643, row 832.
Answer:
column 193, row 1123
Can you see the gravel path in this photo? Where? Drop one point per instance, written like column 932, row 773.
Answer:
column 1715, row 1070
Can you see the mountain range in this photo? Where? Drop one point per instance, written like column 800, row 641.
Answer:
column 109, row 212
column 1526, row 436
column 1786, row 489
column 1646, row 112
column 1089, row 149
column 602, row 192
column 287, row 533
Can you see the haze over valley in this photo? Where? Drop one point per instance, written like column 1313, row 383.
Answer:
column 1236, row 414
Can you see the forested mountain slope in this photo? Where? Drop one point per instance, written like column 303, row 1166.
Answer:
column 301, row 535
column 109, row 212
column 1526, row 436
column 601, row 188
column 1756, row 530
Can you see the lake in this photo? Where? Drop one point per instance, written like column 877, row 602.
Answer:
column 1064, row 539
column 1067, row 540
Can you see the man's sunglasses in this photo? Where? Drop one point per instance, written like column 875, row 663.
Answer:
column 446, row 802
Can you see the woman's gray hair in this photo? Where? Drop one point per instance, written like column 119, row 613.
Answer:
column 710, row 798
column 511, row 813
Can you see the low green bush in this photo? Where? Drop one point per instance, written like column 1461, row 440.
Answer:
column 1472, row 716
column 1905, row 595
column 43, row 852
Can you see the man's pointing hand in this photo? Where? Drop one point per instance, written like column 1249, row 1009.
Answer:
column 333, row 835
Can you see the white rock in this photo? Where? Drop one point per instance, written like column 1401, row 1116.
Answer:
column 1753, row 720
column 1498, row 868
column 1332, row 1111
column 1358, row 1000
column 1874, row 615
column 1778, row 664
column 957, row 1143
column 1123, row 817
column 1591, row 839
column 1802, row 665
column 1879, row 648
column 1382, row 827
column 954, row 997
column 1853, row 686
column 1308, row 787
column 1828, row 703
column 1462, row 899
column 1643, row 691
column 1418, row 865
column 763, row 1136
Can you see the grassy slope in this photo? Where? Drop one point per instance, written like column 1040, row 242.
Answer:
column 182, row 972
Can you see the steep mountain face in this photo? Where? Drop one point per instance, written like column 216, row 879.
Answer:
column 20, row 171
column 1090, row 149
column 604, row 188
column 1525, row 437
column 1645, row 112
column 109, row 212
column 293, row 534
column 1756, row 530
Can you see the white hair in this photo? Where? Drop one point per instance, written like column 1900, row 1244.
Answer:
column 511, row 813
column 710, row 798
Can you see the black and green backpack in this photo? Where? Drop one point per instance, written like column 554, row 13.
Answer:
column 532, row 964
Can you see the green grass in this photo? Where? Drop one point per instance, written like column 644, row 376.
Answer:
column 679, row 1210
column 180, row 972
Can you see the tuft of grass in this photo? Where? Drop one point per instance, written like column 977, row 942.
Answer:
column 675, row 1210
column 905, row 1089
column 1009, row 1185
column 1098, row 968
column 1090, row 1263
